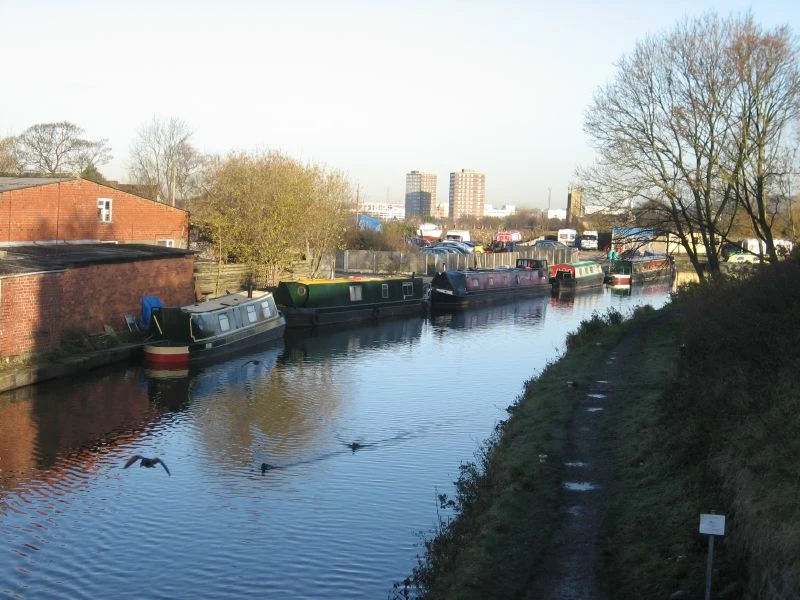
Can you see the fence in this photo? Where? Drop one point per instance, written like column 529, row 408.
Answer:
column 375, row 261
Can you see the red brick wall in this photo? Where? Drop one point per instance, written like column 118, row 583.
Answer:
column 37, row 310
column 68, row 211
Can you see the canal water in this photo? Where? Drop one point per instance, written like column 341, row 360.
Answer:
column 325, row 520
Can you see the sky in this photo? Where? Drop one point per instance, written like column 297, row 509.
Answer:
column 372, row 88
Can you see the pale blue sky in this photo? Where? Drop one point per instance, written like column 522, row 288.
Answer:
column 372, row 88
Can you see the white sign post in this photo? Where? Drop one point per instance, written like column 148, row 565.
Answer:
column 711, row 525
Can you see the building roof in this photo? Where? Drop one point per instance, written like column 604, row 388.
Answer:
column 17, row 183
column 36, row 258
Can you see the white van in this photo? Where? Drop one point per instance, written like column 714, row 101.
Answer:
column 457, row 235
column 588, row 240
column 567, row 236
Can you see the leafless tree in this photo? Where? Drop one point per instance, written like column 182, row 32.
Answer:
column 669, row 131
column 8, row 159
column 58, row 148
column 161, row 156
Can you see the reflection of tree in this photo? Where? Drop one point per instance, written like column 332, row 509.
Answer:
column 256, row 413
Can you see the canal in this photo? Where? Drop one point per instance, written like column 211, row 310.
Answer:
column 418, row 396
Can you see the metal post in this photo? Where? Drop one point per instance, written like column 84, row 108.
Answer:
column 709, row 566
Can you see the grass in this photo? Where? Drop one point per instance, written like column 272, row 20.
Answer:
column 508, row 500
column 711, row 426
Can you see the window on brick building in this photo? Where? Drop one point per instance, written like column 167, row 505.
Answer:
column 104, row 210
column 167, row 243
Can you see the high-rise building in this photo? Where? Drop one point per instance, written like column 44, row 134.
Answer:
column 574, row 205
column 467, row 193
column 420, row 194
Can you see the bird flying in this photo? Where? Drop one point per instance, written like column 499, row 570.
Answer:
column 147, row 462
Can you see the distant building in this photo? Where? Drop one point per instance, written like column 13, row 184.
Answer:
column 383, row 210
column 505, row 211
column 420, row 194
column 556, row 213
column 467, row 194
column 574, row 204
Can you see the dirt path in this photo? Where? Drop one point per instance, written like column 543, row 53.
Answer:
column 569, row 571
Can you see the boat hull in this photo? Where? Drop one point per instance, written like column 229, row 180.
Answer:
column 342, row 301
column 640, row 270
column 327, row 317
column 477, row 287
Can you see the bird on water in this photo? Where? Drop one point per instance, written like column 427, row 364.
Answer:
column 354, row 446
column 266, row 467
column 147, row 462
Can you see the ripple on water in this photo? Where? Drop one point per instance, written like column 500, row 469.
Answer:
column 579, row 486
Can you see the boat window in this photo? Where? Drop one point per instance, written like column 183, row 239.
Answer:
column 355, row 293
column 224, row 323
column 266, row 310
column 491, row 281
column 252, row 317
column 408, row 289
column 384, row 290
column 474, row 282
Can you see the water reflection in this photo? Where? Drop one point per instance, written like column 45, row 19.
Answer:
column 417, row 396
column 530, row 310
column 52, row 427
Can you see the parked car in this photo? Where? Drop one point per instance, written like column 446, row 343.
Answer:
column 549, row 244
column 744, row 257
column 459, row 247
column 728, row 249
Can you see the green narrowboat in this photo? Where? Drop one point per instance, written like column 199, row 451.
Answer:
column 310, row 303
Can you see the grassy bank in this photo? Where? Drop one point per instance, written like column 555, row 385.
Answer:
column 509, row 499
column 705, row 419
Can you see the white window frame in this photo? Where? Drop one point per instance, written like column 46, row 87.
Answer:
column 104, row 210
column 356, row 293
column 169, row 243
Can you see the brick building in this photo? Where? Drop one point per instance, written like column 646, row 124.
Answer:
column 49, row 293
column 58, row 209
column 76, row 256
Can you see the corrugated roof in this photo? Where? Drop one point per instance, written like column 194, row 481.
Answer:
column 17, row 183
column 18, row 260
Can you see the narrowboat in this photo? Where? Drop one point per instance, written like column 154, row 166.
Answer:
column 462, row 289
column 640, row 269
column 310, row 303
column 576, row 276
column 212, row 329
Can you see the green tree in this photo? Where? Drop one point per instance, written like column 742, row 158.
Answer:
column 266, row 209
column 91, row 173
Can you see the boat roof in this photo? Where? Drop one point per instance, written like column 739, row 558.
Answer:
column 583, row 263
column 226, row 301
column 351, row 279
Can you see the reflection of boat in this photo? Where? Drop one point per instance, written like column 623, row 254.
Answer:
column 574, row 276
column 352, row 339
column 640, row 269
column 320, row 302
column 461, row 289
column 212, row 329
column 523, row 309
column 658, row 287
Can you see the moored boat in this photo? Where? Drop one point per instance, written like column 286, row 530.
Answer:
column 576, row 276
column 212, row 329
column 640, row 269
column 344, row 300
column 461, row 289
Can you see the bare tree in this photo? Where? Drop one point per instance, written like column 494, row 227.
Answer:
column 668, row 135
column 58, row 148
column 162, row 157
column 768, row 97
column 8, row 159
